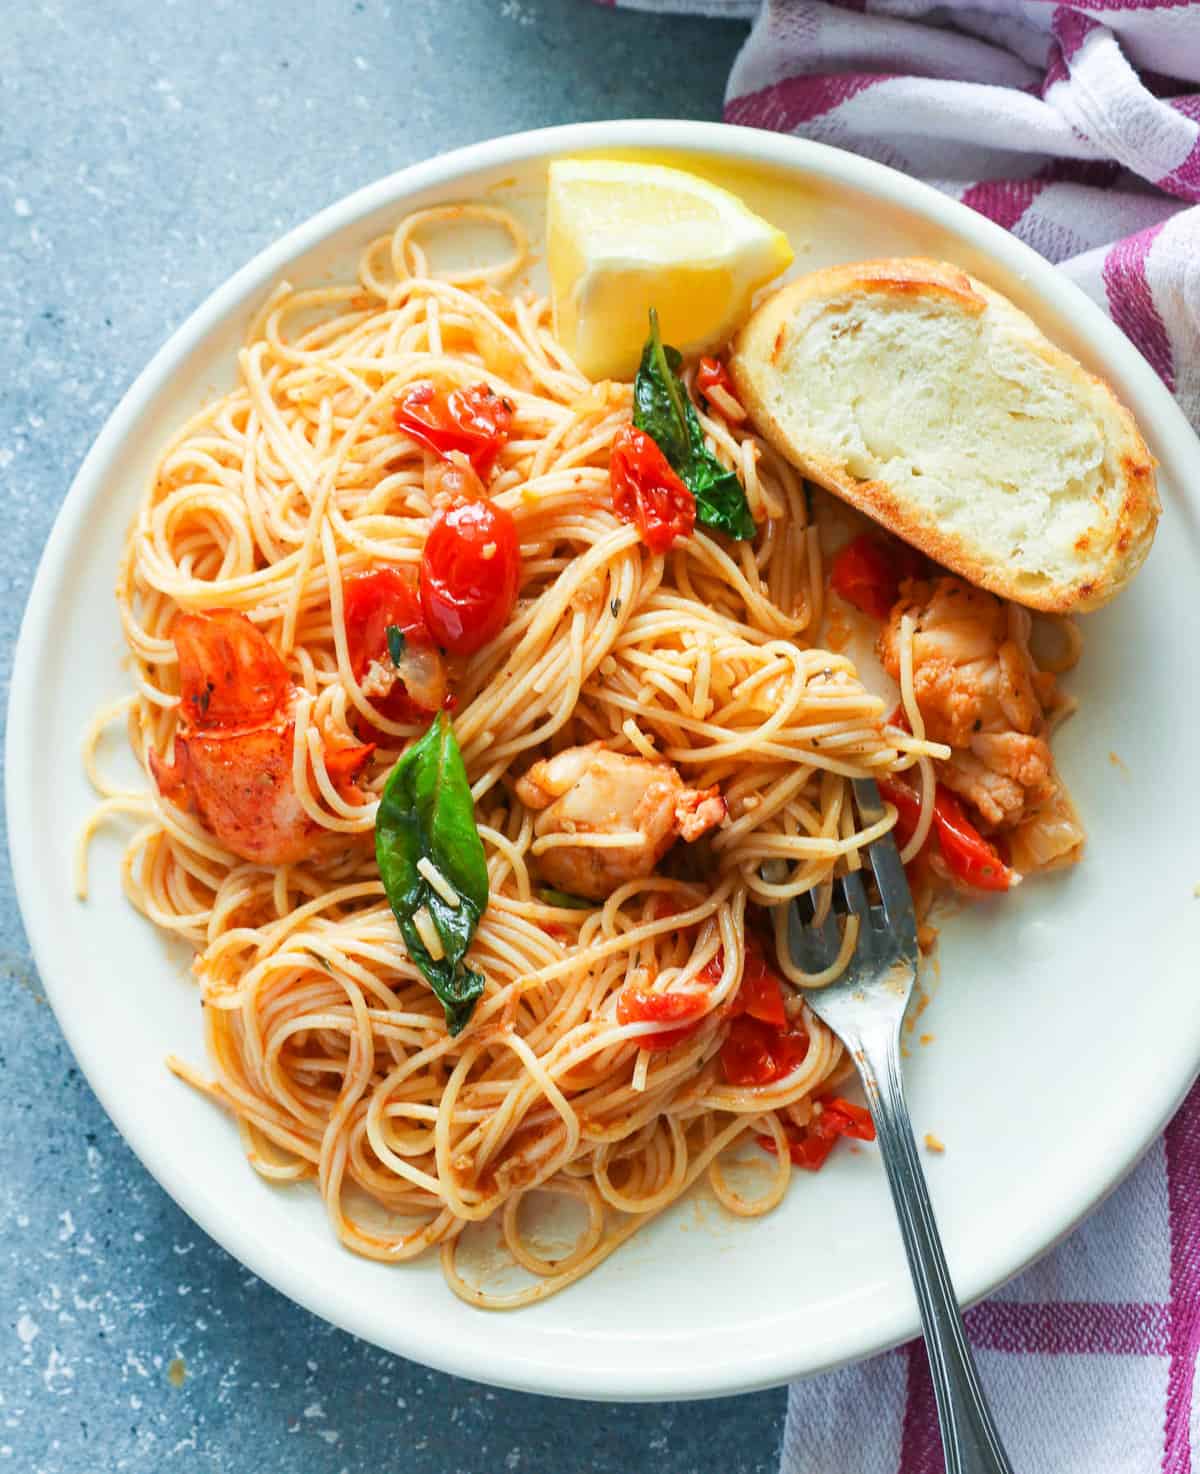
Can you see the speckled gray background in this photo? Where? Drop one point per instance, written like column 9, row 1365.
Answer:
column 146, row 151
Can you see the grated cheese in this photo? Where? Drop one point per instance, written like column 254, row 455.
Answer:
column 439, row 882
column 428, row 934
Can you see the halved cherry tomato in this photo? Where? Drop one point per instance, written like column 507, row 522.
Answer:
column 638, row 1006
column 712, row 374
column 470, row 573
column 868, row 573
column 908, row 808
column 844, row 1118
column 760, row 992
column 863, row 575
column 971, row 858
column 475, row 421
column 754, row 1053
column 647, row 492
column 809, row 1146
column 759, row 997
column 371, row 602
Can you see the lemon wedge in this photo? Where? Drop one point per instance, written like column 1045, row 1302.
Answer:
column 625, row 237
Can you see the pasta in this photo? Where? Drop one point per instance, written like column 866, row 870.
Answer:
column 325, row 1040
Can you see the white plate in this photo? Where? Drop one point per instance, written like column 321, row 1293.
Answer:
column 1066, row 1024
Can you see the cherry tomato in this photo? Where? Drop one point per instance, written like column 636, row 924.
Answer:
column 229, row 672
column 863, row 575
column 371, row 602
column 638, row 1006
column 760, row 992
column 868, row 573
column 647, row 492
column 754, row 1053
column 809, row 1147
column 712, row 374
column 475, row 421
column 844, row 1118
column 907, row 803
column 470, row 573
column 971, row 858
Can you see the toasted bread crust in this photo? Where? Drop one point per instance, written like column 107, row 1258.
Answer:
column 1104, row 571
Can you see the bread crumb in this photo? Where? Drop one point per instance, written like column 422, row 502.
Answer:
column 927, row 1038
column 1117, row 762
column 934, row 1143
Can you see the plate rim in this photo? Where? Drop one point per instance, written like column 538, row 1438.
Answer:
column 1156, row 410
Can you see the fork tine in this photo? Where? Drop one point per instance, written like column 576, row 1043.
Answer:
column 884, row 859
column 813, row 946
column 855, row 895
column 866, row 796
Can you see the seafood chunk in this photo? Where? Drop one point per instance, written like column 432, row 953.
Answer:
column 971, row 666
column 1001, row 774
column 233, row 746
column 979, row 691
column 596, row 797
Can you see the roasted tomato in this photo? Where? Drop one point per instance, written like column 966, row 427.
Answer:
column 868, row 573
column 712, row 374
column 406, row 677
column 474, row 421
column 235, row 739
column 809, row 1146
column 971, row 859
column 638, row 1006
column 470, row 573
column 755, row 1053
column 760, row 992
column 647, row 492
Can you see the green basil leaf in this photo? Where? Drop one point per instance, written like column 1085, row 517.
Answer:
column 720, row 498
column 659, row 398
column 395, row 643
column 662, row 409
column 427, row 812
column 565, row 900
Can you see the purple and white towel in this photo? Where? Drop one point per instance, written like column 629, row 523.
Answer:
column 1078, row 128
column 1075, row 126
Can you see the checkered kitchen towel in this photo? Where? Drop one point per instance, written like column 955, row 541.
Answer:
column 1078, row 128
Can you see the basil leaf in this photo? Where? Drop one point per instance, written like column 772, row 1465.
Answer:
column 395, row 643
column 427, row 812
column 720, row 499
column 565, row 900
column 663, row 410
column 659, row 398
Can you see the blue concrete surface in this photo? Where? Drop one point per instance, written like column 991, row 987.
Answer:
column 147, row 150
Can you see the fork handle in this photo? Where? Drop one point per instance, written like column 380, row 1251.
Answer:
column 969, row 1437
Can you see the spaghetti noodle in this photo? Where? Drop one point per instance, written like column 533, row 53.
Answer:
column 325, row 1041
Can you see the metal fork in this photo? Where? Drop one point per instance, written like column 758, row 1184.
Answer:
column 865, row 1008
